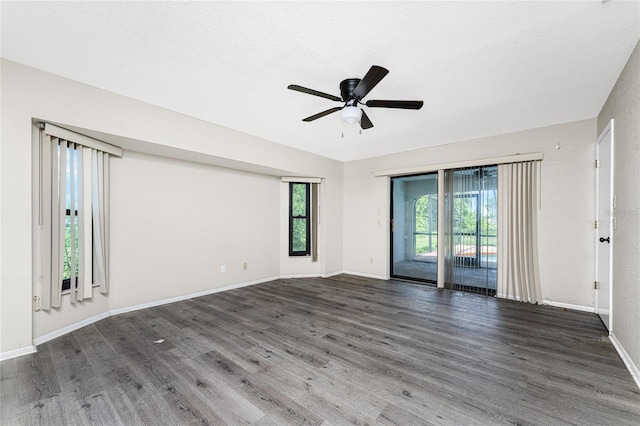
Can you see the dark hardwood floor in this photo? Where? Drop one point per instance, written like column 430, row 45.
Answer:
column 327, row 351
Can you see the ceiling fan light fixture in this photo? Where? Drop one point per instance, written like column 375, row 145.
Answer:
column 351, row 114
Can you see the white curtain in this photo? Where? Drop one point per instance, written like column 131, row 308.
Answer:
column 315, row 215
column 74, row 197
column 518, row 272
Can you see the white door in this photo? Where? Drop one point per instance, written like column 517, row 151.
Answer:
column 605, row 223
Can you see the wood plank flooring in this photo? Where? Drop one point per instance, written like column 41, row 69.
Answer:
column 343, row 350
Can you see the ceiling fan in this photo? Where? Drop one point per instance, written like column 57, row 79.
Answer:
column 352, row 90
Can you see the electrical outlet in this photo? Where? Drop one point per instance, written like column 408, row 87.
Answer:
column 245, row 266
column 37, row 303
column 223, row 269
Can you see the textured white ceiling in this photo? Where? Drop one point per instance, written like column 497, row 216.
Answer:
column 482, row 68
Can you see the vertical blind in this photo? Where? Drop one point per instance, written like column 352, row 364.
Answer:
column 74, row 214
column 470, row 224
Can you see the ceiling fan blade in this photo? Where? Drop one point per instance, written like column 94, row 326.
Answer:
column 313, row 92
column 370, row 80
column 322, row 114
column 365, row 123
column 395, row 104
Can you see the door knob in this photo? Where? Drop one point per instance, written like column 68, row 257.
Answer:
column 602, row 239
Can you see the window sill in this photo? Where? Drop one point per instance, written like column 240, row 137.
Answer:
column 69, row 291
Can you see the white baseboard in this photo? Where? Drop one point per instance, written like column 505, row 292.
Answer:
column 17, row 352
column 332, row 274
column 551, row 303
column 188, row 296
column 329, row 275
column 569, row 306
column 291, row 276
column 68, row 329
column 633, row 369
column 360, row 274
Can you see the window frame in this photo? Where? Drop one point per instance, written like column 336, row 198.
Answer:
column 306, row 218
column 73, row 150
column 66, row 282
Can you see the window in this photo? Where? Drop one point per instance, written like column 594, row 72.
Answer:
column 73, row 186
column 299, row 219
column 71, row 222
column 70, row 230
column 425, row 235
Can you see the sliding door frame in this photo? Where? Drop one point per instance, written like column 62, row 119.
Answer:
column 440, row 280
column 390, row 242
column 440, row 168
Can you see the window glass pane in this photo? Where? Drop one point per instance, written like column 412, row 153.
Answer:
column 67, row 175
column 71, row 154
column 299, row 199
column 426, row 214
column 299, row 235
column 67, row 247
column 71, row 168
column 464, row 214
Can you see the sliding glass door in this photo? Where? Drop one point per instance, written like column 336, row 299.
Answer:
column 469, row 228
column 471, row 223
column 414, row 233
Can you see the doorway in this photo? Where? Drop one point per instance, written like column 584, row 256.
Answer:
column 604, row 225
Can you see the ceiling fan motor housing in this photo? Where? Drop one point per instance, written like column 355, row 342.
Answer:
column 347, row 87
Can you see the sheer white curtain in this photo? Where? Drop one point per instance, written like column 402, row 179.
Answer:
column 518, row 272
column 74, row 214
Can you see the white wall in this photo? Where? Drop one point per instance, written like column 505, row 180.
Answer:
column 175, row 223
column 141, row 180
column 565, row 219
column 623, row 105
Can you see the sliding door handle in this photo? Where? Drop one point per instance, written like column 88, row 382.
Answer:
column 602, row 239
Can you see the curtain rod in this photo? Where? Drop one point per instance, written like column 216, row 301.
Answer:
column 72, row 136
column 517, row 158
